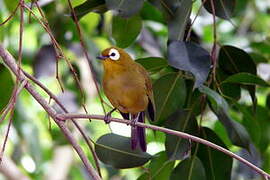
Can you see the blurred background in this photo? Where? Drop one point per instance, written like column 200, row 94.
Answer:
column 38, row 148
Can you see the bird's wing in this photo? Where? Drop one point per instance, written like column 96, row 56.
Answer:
column 149, row 90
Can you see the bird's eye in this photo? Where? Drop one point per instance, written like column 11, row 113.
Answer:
column 114, row 54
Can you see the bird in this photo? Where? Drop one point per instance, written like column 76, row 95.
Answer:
column 128, row 87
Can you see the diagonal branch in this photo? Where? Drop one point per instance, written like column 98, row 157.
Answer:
column 11, row 63
column 64, row 117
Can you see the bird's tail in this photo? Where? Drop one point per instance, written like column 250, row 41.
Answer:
column 138, row 133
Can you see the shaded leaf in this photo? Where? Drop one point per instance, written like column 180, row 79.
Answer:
column 178, row 148
column 218, row 165
column 150, row 12
column 160, row 167
column 231, row 60
column 247, row 79
column 126, row 30
column 115, row 150
column 6, row 84
column 189, row 169
column 181, row 56
column 11, row 5
column 237, row 133
column 177, row 23
column 222, row 8
column 125, row 8
column 97, row 6
column 166, row 89
column 258, row 58
column 153, row 64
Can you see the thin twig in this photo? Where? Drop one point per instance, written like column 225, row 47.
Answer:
column 52, row 96
column 11, row 15
column 85, row 53
column 11, row 63
column 169, row 131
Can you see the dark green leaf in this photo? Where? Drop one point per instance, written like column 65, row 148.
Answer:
column 169, row 94
column 168, row 7
column 247, row 79
column 178, row 148
column 126, row 30
column 218, row 165
column 153, row 64
column 125, row 8
column 150, row 12
column 222, row 8
column 115, row 150
column 181, row 56
column 177, row 24
column 189, row 169
column 261, row 47
column 237, row 133
column 231, row 60
column 6, row 84
column 160, row 167
column 268, row 101
column 97, row 6
column 258, row 58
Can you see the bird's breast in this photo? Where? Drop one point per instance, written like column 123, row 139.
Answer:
column 126, row 91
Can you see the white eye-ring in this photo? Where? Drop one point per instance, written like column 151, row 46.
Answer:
column 114, row 54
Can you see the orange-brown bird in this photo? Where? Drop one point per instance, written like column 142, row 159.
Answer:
column 129, row 89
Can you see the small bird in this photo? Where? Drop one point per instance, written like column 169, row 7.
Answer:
column 128, row 87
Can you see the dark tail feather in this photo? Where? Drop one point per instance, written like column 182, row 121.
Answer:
column 125, row 115
column 141, row 132
column 134, row 137
column 151, row 110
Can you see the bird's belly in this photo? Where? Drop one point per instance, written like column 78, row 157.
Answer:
column 127, row 96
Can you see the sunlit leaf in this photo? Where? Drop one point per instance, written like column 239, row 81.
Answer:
column 181, row 56
column 115, row 150
column 169, row 94
column 126, row 30
column 191, row 169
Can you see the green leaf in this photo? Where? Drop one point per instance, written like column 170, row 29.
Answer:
column 247, row 79
column 97, row 6
column 181, row 56
column 233, row 60
column 184, row 121
column 126, row 30
column 125, row 8
column 169, row 94
column 153, row 64
column 189, row 169
column 218, row 165
column 11, row 5
column 222, row 8
column 6, row 84
column 237, row 133
column 115, row 150
column 150, row 12
column 160, row 167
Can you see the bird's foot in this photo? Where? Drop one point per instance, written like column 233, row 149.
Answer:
column 107, row 117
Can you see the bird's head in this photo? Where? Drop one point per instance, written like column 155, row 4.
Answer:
column 115, row 55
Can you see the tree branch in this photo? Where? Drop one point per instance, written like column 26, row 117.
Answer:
column 11, row 63
column 172, row 132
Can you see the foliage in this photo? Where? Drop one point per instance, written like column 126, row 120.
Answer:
column 210, row 79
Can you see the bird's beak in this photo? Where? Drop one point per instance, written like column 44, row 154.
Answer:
column 102, row 57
